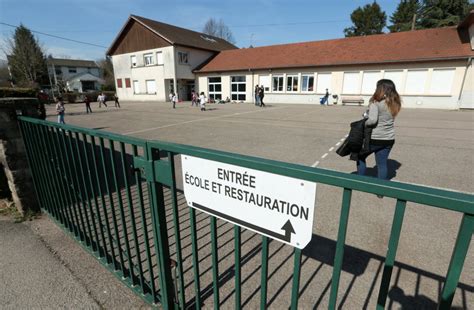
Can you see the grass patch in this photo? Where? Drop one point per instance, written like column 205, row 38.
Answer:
column 8, row 208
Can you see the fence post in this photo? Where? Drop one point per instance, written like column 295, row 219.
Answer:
column 160, row 235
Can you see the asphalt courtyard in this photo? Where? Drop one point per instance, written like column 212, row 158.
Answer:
column 433, row 148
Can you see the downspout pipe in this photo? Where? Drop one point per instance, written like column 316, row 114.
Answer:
column 469, row 62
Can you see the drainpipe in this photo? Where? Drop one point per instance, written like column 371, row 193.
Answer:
column 175, row 78
column 253, row 95
column 469, row 61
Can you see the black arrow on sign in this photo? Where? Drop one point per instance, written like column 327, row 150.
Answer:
column 287, row 227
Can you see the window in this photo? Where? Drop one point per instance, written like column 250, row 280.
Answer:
column 58, row 71
column 307, row 82
column 136, row 87
column 324, row 81
column 238, row 88
column 369, row 82
column 442, row 81
column 416, row 80
column 133, row 60
column 72, row 69
column 150, row 86
column 291, row 83
column 351, row 83
column 215, row 88
column 395, row 77
column 119, row 83
column 277, row 83
column 159, row 58
column 148, row 59
column 265, row 82
column 182, row 58
column 127, row 83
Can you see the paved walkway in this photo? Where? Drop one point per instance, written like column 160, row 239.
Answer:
column 40, row 267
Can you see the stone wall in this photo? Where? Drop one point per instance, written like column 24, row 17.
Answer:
column 13, row 153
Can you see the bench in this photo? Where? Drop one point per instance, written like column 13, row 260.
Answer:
column 358, row 100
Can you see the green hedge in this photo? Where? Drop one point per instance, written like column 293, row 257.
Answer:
column 17, row 92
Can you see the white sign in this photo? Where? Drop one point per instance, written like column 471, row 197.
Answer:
column 276, row 206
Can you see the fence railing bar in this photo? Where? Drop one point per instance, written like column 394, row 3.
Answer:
column 91, row 222
column 122, row 216
column 177, row 232
column 237, row 266
column 132, row 219
column 68, row 188
column 391, row 253
column 108, row 192
column 264, row 273
column 103, row 247
column 296, row 279
column 138, row 180
column 197, row 286
column 215, row 262
column 77, row 190
column 46, row 159
column 341, row 239
column 110, row 257
column 466, row 230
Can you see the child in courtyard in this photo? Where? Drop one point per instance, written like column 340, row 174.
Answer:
column 202, row 101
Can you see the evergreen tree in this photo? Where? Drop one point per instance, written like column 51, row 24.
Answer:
column 442, row 13
column 402, row 18
column 27, row 61
column 367, row 20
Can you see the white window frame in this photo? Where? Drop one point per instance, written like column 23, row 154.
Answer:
column 136, row 87
column 148, row 90
column 399, row 74
column 132, row 62
column 266, row 82
column 328, row 86
column 214, row 93
column 415, row 80
column 356, row 90
column 148, row 59
column 238, row 93
column 290, row 88
column 280, row 87
column 367, row 81
column 303, row 86
column 183, row 58
column 159, row 58
column 448, row 84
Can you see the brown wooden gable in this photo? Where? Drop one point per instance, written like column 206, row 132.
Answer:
column 136, row 37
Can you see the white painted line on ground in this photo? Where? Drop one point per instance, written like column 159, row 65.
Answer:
column 342, row 140
column 197, row 120
column 330, row 150
column 337, row 144
column 315, row 164
column 324, row 156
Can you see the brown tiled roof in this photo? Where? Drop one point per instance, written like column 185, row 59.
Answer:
column 180, row 36
column 72, row 62
column 409, row 46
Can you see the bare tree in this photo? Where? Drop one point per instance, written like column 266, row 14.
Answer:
column 218, row 29
column 107, row 69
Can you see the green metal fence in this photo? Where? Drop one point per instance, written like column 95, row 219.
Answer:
column 118, row 197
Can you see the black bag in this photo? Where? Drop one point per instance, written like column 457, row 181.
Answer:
column 344, row 149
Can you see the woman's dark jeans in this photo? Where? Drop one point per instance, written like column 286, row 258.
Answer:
column 381, row 158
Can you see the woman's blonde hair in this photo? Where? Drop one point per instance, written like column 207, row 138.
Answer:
column 386, row 91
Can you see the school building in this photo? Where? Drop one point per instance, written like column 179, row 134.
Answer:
column 431, row 68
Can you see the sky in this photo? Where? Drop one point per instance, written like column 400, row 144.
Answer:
column 257, row 22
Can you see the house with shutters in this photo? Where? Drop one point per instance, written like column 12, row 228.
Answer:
column 431, row 68
column 152, row 59
column 74, row 74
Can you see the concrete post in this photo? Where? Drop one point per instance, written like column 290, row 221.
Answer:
column 13, row 153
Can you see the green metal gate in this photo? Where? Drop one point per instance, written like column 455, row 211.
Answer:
column 118, row 197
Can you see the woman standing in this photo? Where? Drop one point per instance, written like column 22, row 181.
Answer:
column 383, row 108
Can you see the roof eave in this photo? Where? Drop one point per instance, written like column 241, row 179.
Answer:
column 341, row 64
